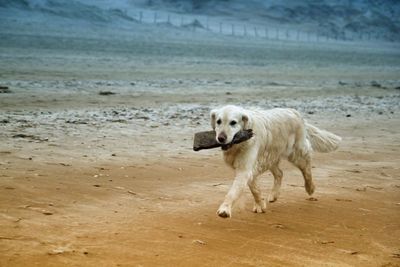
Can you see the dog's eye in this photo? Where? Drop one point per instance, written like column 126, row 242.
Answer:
column 233, row 123
column 218, row 122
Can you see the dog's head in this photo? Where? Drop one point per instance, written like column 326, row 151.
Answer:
column 227, row 121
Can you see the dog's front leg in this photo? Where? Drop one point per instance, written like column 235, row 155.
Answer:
column 238, row 186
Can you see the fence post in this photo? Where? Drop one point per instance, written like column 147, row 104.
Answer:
column 220, row 27
column 255, row 31
column 169, row 19
column 266, row 33
column 207, row 24
column 233, row 30
column 155, row 17
column 245, row 30
column 140, row 16
column 181, row 21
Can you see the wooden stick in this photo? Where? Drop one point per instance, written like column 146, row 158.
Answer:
column 207, row 140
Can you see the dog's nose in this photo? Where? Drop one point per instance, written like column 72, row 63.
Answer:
column 222, row 138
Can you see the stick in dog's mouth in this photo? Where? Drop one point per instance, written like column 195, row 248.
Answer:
column 206, row 140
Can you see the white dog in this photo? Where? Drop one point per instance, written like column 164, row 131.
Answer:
column 278, row 133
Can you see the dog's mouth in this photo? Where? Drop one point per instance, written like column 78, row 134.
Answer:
column 237, row 139
column 226, row 146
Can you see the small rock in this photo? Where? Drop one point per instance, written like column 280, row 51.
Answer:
column 198, row 241
column 4, row 90
column 106, row 93
column 113, row 154
column 46, row 212
column 278, row 225
column 376, row 84
column 57, row 251
column 312, row 199
column 29, row 136
column 348, row 115
column 327, row 242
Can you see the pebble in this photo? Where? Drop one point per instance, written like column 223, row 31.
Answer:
column 198, row 241
column 46, row 212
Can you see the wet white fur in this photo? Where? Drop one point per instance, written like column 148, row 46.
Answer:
column 278, row 133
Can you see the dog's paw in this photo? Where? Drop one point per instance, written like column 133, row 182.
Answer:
column 259, row 207
column 273, row 196
column 310, row 188
column 224, row 211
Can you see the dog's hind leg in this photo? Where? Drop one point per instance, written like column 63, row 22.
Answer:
column 302, row 160
column 259, row 202
column 277, row 173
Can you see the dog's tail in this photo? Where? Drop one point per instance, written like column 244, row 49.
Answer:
column 321, row 140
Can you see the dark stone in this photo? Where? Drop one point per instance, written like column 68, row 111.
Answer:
column 376, row 84
column 106, row 93
column 4, row 89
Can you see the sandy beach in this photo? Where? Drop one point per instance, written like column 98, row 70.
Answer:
column 97, row 166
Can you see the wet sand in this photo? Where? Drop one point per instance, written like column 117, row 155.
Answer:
column 111, row 180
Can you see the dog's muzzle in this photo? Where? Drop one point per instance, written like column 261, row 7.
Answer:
column 221, row 138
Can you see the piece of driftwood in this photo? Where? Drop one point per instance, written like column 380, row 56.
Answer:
column 207, row 140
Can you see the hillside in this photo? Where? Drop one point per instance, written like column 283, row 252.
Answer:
column 340, row 19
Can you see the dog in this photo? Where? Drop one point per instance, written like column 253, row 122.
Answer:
column 278, row 133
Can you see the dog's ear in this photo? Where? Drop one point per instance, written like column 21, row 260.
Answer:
column 213, row 116
column 247, row 122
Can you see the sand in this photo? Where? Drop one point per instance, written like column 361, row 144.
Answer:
column 111, row 180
